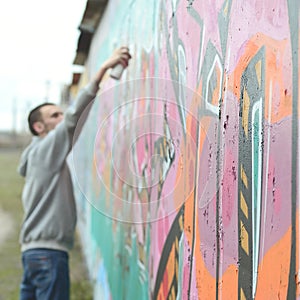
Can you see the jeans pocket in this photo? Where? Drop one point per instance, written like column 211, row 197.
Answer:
column 40, row 270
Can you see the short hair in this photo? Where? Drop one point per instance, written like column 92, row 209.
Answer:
column 36, row 116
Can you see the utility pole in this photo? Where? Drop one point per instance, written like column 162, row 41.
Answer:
column 47, row 93
column 14, row 117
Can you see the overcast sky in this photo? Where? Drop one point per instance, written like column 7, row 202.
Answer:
column 38, row 41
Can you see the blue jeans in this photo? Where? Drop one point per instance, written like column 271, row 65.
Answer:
column 46, row 275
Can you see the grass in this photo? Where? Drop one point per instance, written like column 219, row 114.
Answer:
column 11, row 185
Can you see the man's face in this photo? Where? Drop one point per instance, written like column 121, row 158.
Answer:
column 51, row 116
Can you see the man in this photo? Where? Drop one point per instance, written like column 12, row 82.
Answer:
column 47, row 231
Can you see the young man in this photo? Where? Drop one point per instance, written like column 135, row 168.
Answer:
column 47, row 231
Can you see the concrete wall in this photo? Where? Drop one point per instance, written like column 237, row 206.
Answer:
column 187, row 172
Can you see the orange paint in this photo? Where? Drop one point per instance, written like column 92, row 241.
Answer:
column 273, row 270
column 274, row 74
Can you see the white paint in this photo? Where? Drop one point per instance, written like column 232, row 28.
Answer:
column 267, row 143
column 201, row 52
column 182, row 84
column 214, row 109
column 255, row 241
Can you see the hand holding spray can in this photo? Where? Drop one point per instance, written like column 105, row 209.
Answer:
column 117, row 72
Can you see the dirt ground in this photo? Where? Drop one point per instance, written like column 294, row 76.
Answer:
column 6, row 225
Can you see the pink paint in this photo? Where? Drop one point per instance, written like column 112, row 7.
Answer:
column 241, row 25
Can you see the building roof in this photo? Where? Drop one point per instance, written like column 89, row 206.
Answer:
column 90, row 20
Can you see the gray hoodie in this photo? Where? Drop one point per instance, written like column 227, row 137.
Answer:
column 48, row 200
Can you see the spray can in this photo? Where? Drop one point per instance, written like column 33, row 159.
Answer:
column 117, row 71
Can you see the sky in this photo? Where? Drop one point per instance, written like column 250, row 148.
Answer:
column 38, row 42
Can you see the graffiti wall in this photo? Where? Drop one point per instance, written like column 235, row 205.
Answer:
column 187, row 171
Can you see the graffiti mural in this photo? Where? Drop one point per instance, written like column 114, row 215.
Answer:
column 187, row 171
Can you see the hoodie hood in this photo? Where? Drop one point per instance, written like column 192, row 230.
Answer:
column 22, row 168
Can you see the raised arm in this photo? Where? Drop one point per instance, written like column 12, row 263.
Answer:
column 119, row 56
column 57, row 144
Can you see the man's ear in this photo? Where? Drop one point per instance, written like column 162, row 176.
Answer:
column 39, row 127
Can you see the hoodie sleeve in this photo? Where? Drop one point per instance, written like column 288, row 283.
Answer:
column 56, row 145
column 80, row 108
column 22, row 167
